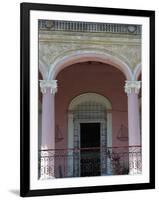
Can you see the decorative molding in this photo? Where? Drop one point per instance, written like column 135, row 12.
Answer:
column 71, row 26
column 58, row 47
column 43, row 67
column 131, row 86
column 128, row 53
column 48, row 84
column 95, row 54
column 122, row 134
column 89, row 97
column 137, row 71
column 58, row 134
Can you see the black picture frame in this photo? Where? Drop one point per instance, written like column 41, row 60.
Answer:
column 25, row 9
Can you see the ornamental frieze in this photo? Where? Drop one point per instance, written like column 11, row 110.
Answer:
column 130, row 54
column 58, row 38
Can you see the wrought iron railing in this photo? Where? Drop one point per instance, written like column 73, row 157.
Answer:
column 93, row 161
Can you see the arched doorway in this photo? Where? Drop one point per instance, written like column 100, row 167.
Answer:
column 89, row 135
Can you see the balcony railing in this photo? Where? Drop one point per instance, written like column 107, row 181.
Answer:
column 93, row 161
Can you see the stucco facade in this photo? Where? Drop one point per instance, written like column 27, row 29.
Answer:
column 78, row 59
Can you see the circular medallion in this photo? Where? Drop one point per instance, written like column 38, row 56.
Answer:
column 49, row 24
column 132, row 28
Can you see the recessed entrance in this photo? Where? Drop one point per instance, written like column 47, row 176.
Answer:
column 89, row 127
column 90, row 149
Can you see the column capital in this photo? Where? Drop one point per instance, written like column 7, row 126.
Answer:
column 132, row 86
column 48, row 84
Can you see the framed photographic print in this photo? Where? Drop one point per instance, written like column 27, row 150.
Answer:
column 87, row 99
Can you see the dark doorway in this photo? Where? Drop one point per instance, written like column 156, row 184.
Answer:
column 90, row 149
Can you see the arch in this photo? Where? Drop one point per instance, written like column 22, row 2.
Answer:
column 74, row 124
column 137, row 72
column 83, row 55
column 88, row 97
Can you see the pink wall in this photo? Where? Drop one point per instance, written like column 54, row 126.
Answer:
column 91, row 77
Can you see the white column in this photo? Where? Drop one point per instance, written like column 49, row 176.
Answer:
column 132, row 89
column 48, row 89
column 109, row 141
column 70, row 145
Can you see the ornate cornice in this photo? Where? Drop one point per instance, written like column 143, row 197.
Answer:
column 48, row 84
column 79, row 26
column 132, row 86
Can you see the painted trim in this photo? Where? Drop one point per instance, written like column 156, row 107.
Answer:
column 137, row 72
column 83, row 55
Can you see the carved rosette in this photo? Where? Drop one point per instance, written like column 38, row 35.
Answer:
column 132, row 86
column 48, row 85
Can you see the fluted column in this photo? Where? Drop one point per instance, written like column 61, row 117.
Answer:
column 48, row 89
column 132, row 89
